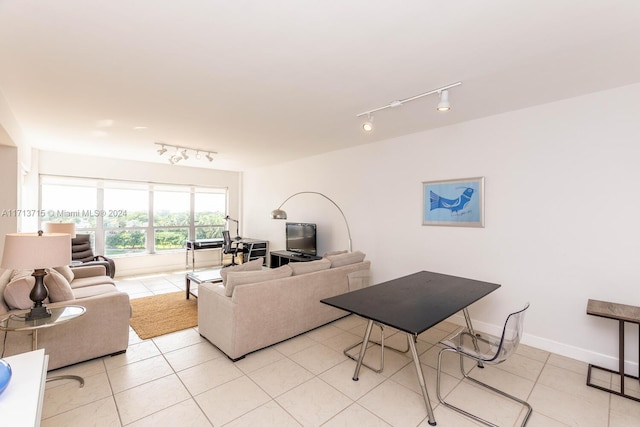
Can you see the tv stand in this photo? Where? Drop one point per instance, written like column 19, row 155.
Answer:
column 280, row 258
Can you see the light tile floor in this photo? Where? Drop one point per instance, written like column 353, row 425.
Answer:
column 181, row 379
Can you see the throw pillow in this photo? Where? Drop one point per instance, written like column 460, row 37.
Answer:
column 326, row 254
column 237, row 278
column 67, row 272
column 299, row 268
column 19, row 274
column 346, row 259
column 254, row 265
column 5, row 275
column 59, row 287
column 16, row 293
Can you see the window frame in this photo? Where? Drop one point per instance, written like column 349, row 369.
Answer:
column 100, row 230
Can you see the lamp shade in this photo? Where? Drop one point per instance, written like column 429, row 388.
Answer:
column 278, row 214
column 26, row 251
column 60, row 227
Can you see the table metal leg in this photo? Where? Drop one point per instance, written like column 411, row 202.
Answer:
column 34, row 346
column 467, row 319
column 363, row 349
column 423, row 387
column 187, row 285
column 68, row 377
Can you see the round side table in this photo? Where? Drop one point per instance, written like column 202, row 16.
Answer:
column 18, row 322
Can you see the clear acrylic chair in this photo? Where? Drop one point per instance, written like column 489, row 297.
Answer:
column 358, row 280
column 484, row 350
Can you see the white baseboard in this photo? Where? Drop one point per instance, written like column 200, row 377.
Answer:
column 566, row 350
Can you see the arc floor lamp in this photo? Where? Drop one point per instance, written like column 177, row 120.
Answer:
column 280, row 214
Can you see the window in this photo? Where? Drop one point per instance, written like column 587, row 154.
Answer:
column 209, row 209
column 171, row 218
column 69, row 203
column 132, row 217
column 126, row 219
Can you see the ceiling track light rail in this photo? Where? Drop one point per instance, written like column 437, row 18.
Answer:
column 182, row 153
column 443, row 105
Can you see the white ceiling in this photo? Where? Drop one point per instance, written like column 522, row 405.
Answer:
column 262, row 82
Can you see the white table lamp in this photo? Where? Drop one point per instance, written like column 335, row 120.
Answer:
column 37, row 251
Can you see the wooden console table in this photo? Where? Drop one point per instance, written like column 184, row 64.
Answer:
column 622, row 313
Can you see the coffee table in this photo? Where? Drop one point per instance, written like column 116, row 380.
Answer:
column 412, row 304
column 199, row 277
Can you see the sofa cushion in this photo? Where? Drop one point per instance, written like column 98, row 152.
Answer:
column 91, row 291
column 299, row 268
column 67, row 272
column 91, row 281
column 237, row 278
column 254, row 265
column 346, row 259
column 59, row 287
column 16, row 293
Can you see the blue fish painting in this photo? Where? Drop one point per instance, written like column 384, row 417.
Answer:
column 454, row 205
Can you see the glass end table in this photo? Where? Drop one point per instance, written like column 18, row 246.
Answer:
column 17, row 322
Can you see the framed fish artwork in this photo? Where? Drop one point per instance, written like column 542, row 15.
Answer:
column 456, row 202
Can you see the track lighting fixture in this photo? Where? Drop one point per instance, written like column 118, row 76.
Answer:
column 367, row 126
column 182, row 153
column 443, row 105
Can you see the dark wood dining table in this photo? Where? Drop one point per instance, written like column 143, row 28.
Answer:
column 412, row 304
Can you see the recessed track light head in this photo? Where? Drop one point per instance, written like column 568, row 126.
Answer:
column 367, row 125
column 444, row 105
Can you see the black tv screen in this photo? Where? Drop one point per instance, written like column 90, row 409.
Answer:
column 301, row 238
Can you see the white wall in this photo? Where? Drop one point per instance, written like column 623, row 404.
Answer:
column 9, row 193
column 561, row 217
column 53, row 163
column 10, row 157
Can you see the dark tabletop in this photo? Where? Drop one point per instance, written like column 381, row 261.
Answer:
column 413, row 303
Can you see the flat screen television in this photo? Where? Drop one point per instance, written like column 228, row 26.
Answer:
column 301, row 238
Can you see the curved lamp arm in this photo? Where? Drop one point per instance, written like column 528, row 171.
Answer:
column 228, row 218
column 280, row 214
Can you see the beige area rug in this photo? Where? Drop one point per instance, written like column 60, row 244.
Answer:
column 162, row 314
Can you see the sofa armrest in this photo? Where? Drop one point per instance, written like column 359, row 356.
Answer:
column 217, row 317
column 81, row 272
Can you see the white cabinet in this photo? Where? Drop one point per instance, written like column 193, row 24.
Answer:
column 21, row 401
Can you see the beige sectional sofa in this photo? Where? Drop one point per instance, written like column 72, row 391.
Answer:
column 251, row 310
column 102, row 330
